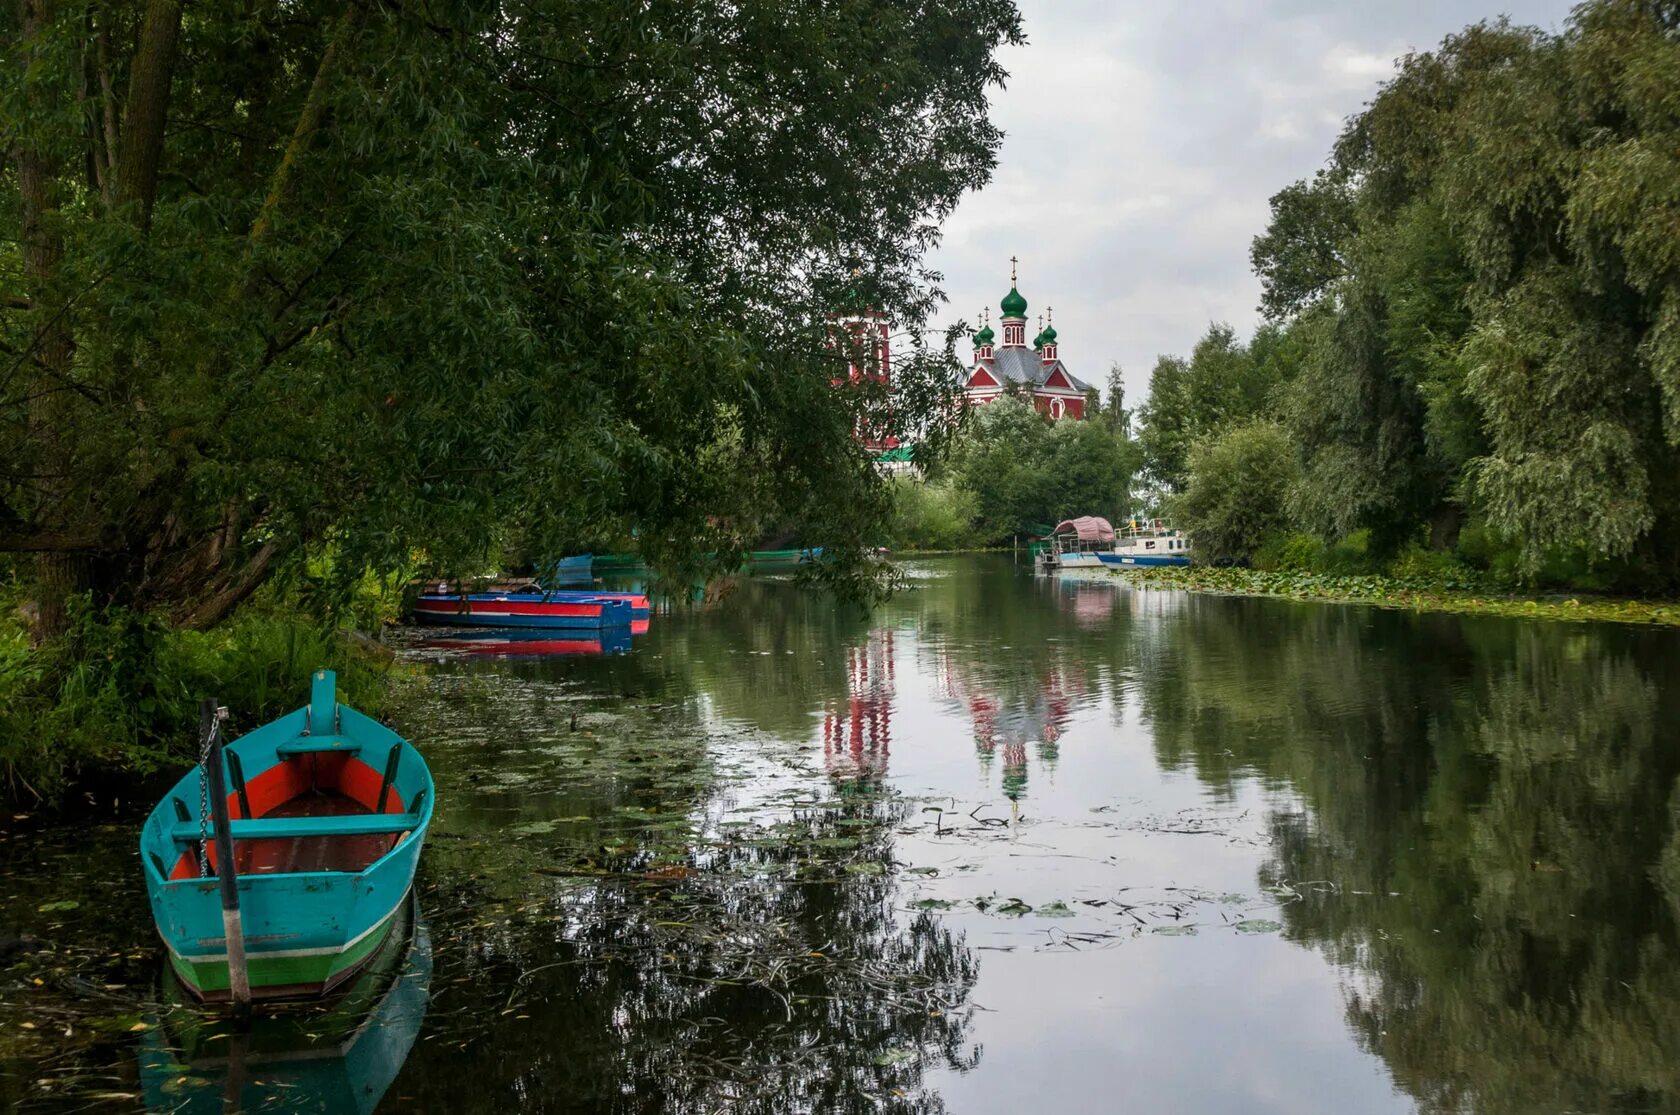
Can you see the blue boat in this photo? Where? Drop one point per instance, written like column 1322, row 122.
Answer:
column 1136, row 560
column 576, row 570
column 326, row 811
column 534, row 644
column 640, row 607
column 523, row 609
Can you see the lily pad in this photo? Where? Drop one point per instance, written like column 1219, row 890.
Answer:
column 57, row 907
column 870, row 868
column 1056, row 909
column 1175, row 930
column 1258, row 925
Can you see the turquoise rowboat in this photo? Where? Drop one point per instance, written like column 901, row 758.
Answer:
column 328, row 810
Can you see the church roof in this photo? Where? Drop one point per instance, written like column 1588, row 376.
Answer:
column 1014, row 364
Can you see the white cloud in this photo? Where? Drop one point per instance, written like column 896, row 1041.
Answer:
column 1346, row 60
column 1143, row 141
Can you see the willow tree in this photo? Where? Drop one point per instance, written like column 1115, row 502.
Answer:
column 1488, row 273
column 389, row 277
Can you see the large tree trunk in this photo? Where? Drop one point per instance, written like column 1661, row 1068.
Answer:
column 1444, row 526
column 147, row 108
column 59, row 573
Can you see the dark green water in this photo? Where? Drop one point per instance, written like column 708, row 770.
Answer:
column 1007, row 844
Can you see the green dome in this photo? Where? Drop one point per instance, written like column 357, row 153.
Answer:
column 1013, row 305
column 1038, row 341
column 985, row 336
column 1048, row 337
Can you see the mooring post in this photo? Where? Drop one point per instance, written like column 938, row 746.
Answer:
column 233, row 926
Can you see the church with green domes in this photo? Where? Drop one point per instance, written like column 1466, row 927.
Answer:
column 1012, row 367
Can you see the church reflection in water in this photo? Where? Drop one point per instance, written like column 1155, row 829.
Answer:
column 1014, row 714
column 1017, row 716
column 857, row 732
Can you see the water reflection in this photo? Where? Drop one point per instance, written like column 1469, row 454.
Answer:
column 1475, row 818
column 511, row 643
column 857, row 731
column 338, row 1058
column 1278, row 857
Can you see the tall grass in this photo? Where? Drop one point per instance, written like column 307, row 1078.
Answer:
column 119, row 692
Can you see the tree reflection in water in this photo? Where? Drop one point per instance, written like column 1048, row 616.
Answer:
column 1479, row 817
column 647, row 956
column 1495, row 804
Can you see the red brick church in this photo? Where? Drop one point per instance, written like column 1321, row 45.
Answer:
column 1036, row 373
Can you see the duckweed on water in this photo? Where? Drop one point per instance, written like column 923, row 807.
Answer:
column 1412, row 593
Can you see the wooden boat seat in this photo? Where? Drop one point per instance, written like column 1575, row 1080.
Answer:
column 285, row 828
column 315, row 745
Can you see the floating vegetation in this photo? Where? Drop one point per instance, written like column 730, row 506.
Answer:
column 1410, row 593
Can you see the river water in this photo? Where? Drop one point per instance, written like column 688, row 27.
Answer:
column 1007, row 843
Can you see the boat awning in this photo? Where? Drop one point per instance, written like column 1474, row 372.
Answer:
column 1088, row 528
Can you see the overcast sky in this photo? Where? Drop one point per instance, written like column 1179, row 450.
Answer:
column 1143, row 139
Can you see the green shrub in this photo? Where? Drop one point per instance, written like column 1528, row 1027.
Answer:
column 120, row 691
column 931, row 516
column 1284, row 552
column 1238, row 484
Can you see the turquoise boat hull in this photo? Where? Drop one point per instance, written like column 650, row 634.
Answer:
column 306, row 931
column 338, row 1057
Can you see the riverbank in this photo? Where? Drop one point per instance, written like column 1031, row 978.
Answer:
column 1392, row 592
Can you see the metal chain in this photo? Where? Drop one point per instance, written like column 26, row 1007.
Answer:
column 204, row 800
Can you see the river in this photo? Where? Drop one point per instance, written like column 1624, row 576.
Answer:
column 1007, row 843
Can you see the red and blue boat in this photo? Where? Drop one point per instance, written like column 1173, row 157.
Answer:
column 591, row 611
column 325, row 814
column 638, row 601
column 535, row 644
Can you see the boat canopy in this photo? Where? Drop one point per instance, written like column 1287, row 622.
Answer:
column 1088, row 528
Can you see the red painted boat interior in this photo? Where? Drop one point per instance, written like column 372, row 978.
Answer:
column 321, row 785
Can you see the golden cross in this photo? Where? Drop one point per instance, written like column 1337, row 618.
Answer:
column 1012, row 262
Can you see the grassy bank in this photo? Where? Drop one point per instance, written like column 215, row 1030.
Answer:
column 116, row 698
column 1420, row 594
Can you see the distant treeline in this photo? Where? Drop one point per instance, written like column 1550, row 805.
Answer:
column 1011, row 473
column 1472, row 343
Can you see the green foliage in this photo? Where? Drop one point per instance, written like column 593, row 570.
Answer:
column 1237, row 492
column 421, row 278
column 931, row 516
column 1485, row 288
column 1022, row 470
column 119, row 690
column 1299, row 256
column 1223, row 383
column 1439, row 588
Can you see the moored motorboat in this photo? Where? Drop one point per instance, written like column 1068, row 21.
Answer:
column 1077, row 543
column 1145, row 542
column 326, row 810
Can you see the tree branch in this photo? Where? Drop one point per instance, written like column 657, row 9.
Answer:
column 308, row 121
